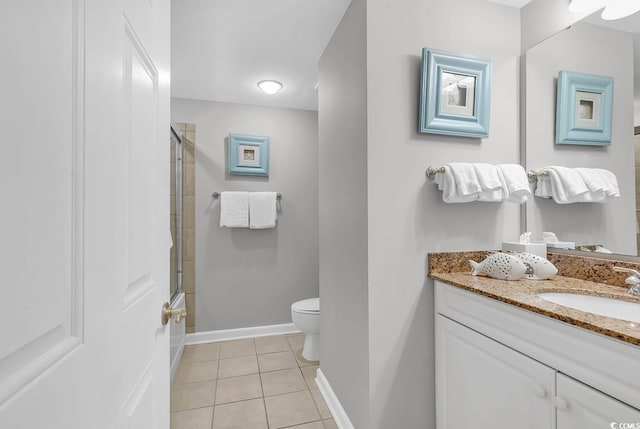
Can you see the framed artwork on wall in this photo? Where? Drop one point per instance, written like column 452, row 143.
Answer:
column 455, row 96
column 584, row 107
column 248, row 155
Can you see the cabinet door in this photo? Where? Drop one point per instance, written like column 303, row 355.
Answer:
column 481, row 383
column 582, row 407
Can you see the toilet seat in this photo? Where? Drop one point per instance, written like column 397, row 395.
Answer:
column 307, row 306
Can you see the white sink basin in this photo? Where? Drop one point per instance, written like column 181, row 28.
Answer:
column 600, row 305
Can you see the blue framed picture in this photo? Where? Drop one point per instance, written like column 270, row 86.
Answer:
column 455, row 94
column 248, row 155
column 584, row 108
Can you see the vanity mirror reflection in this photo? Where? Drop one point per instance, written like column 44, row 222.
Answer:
column 598, row 47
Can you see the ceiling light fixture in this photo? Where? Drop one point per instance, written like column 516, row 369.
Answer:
column 270, row 86
column 613, row 9
column 620, row 9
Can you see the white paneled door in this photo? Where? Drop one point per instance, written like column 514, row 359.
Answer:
column 84, row 231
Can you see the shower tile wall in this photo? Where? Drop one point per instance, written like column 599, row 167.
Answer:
column 188, row 132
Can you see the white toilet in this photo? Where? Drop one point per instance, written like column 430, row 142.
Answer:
column 306, row 316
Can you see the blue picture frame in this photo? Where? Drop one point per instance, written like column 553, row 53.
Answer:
column 248, row 155
column 584, row 108
column 455, row 94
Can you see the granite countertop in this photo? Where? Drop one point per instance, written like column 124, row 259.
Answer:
column 523, row 294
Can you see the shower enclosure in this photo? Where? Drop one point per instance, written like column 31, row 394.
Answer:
column 175, row 283
column 176, row 214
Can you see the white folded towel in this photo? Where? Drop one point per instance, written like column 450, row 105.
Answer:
column 447, row 184
column 465, row 178
column 491, row 187
column 234, row 209
column 487, row 175
column 599, row 180
column 573, row 185
column 515, row 184
column 263, row 211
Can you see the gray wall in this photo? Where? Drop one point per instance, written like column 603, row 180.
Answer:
column 382, row 166
column 343, row 214
column 597, row 50
column 407, row 217
column 250, row 277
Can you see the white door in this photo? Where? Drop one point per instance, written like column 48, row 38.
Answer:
column 84, row 233
column 481, row 383
column 582, row 407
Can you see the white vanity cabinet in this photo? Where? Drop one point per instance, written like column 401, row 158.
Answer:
column 582, row 407
column 482, row 384
column 500, row 367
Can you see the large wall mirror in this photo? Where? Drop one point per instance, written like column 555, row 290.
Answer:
column 598, row 47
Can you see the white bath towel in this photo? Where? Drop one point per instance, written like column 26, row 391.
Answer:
column 567, row 186
column 447, row 184
column 263, row 211
column 515, row 188
column 234, row 209
column 600, row 181
column 465, row 178
column 487, row 176
column 516, row 179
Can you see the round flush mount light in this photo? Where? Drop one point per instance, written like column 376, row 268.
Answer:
column 620, row 9
column 270, row 86
column 578, row 6
column 613, row 9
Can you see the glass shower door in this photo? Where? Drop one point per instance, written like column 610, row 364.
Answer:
column 176, row 215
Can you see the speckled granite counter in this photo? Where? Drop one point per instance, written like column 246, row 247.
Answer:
column 448, row 268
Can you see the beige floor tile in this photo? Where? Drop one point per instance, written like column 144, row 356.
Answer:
column 291, row 409
column 277, row 361
column 302, row 362
column 192, row 372
column 285, row 381
column 296, row 341
column 199, row 418
column 234, row 367
column 201, row 352
column 238, row 389
column 314, row 425
column 309, row 373
column 240, row 415
column 236, row 348
column 272, row 344
column 322, row 405
column 193, row 395
column 329, row 424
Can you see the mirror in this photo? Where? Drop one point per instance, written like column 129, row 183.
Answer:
column 598, row 47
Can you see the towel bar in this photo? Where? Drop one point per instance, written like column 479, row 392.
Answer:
column 432, row 171
column 533, row 175
column 217, row 195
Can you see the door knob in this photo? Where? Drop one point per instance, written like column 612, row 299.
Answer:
column 176, row 314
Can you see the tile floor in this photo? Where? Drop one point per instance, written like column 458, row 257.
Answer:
column 255, row 383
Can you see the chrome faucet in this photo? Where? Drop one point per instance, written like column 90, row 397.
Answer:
column 633, row 280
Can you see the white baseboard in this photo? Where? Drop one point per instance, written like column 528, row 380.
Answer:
column 339, row 415
column 237, row 334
